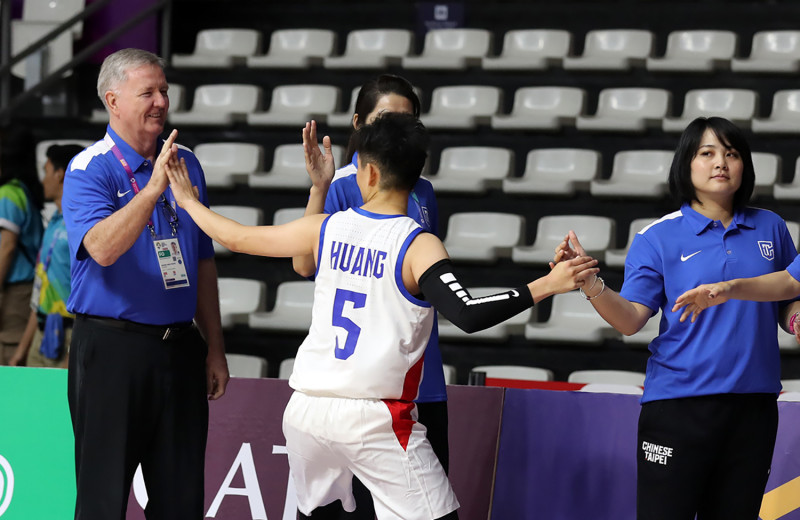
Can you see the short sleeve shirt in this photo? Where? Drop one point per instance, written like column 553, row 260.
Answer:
column 96, row 185
column 52, row 269
column 731, row 348
column 20, row 216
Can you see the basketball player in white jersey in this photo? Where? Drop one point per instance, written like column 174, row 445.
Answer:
column 357, row 372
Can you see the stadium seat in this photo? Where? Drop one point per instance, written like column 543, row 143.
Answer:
column 373, row 49
column 243, row 365
column 696, row 51
column 246, row 215
column 496, row 333
column 292, row 311
column 791, row 397
column 288, row 168
column 295, row 105
column 595, row 233
column 226, row 163
column 790, row 190
column 54, row 12
column 555, row 171
column 58, row 52
column 646, row 334
column 451, row 49
column 618, row 377
column 220, row 49
column 483, row 237
column 768, row 170
column 787, row 342
column 615, row 258
column 177, row 103
column 737, row 105
column 41, row 151
column 219, row 105
column 542, row 108
column 572, row 320
column 790, row 385
column 611, row 388
column 472, row 169
column 345, row 119
column 462, row 107
column 238, row 297
column 613, row 49
column 628, row 110
column 295, row 49
column 449, row 374
column 515, row 372
column 773, row 52
column 636, row 173
column 785, row 117
column 285, row 369
column 286, row 215
column 531, row 49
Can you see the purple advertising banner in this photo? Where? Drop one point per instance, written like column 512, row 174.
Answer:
column 782, row 495
column 567, row 455
column 247, row 473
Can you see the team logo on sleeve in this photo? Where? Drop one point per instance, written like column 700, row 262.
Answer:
column 767, row 249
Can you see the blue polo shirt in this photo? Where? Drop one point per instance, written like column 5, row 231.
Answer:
column 343, row 194
column 20, row 216
column 731, row 348
column 95, row 186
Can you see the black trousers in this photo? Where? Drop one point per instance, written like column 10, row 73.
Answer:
column 434, row 417
column 708, row 456
column 135, row 398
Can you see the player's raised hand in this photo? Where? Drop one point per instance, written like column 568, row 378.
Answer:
column 570, row 274
column 320, row 166
column 565, row 251
column 695, row 301
column 178, row 175
column 169, row 151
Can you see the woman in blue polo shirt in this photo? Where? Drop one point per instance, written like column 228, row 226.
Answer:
column 709, row 414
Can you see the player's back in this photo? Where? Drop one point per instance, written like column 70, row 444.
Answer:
column 368, row 334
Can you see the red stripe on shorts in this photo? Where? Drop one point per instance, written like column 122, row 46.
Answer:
column 402, row 421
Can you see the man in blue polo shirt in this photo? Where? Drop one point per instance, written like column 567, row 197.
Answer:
column 142, row 272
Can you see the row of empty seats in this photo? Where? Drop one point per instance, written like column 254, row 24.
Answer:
column 523, row 49
column 465, row 107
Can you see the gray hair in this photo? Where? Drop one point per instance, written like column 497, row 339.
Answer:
column 115, row 69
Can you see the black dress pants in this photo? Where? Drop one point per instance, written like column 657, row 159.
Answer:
column 136, row 398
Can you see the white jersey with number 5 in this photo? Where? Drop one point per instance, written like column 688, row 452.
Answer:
column 368, row 334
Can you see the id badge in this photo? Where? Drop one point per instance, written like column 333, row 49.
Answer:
column 170, row 260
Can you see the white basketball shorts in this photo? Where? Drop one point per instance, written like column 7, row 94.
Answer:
column 330, row 439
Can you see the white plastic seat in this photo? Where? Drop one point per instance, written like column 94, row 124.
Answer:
column 472, row 169
column 595, row 233
column 220, row 105
column 636, row 173
column 286, row 368
column 345, row 119
column 226, row 163
column 58, row 52
column 737, row 105
column 530, row 49
column 286, row 215
column 767, row 167
column 496, row 333
column 295, row 49
column 483, row 236
column 615, row 258
column 292, row 311
column 790, row 385
column 613, row 49
column 42, row 146
column 243, row 365
column 572, row 320
column 611, row 388
column 771, row 52
column 54, row 12
column 288, row 168
column 451, row 49
column 449, row 374
column 646, row 334
column 220, row 49
column 787, row 342
column 372, row 49
column 515, row 372
column 177, row 103
column 790, row 190
column 785, row 117
column 696, row 51
column 238, row 297
column 246, row 215
column 618, row 377
column 542, row 108
column 555, row 171
column 462, row 107
column 294, row 105
column 628, row 110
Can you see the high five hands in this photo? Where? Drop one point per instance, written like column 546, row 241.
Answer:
column 320, row 166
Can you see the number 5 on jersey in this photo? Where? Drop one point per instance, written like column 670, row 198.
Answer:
column 353, row 331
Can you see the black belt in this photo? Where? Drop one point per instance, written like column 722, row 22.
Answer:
column 170, row 332
column 41, row 318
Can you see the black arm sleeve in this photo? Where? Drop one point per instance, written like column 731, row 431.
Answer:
column 441, row 288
